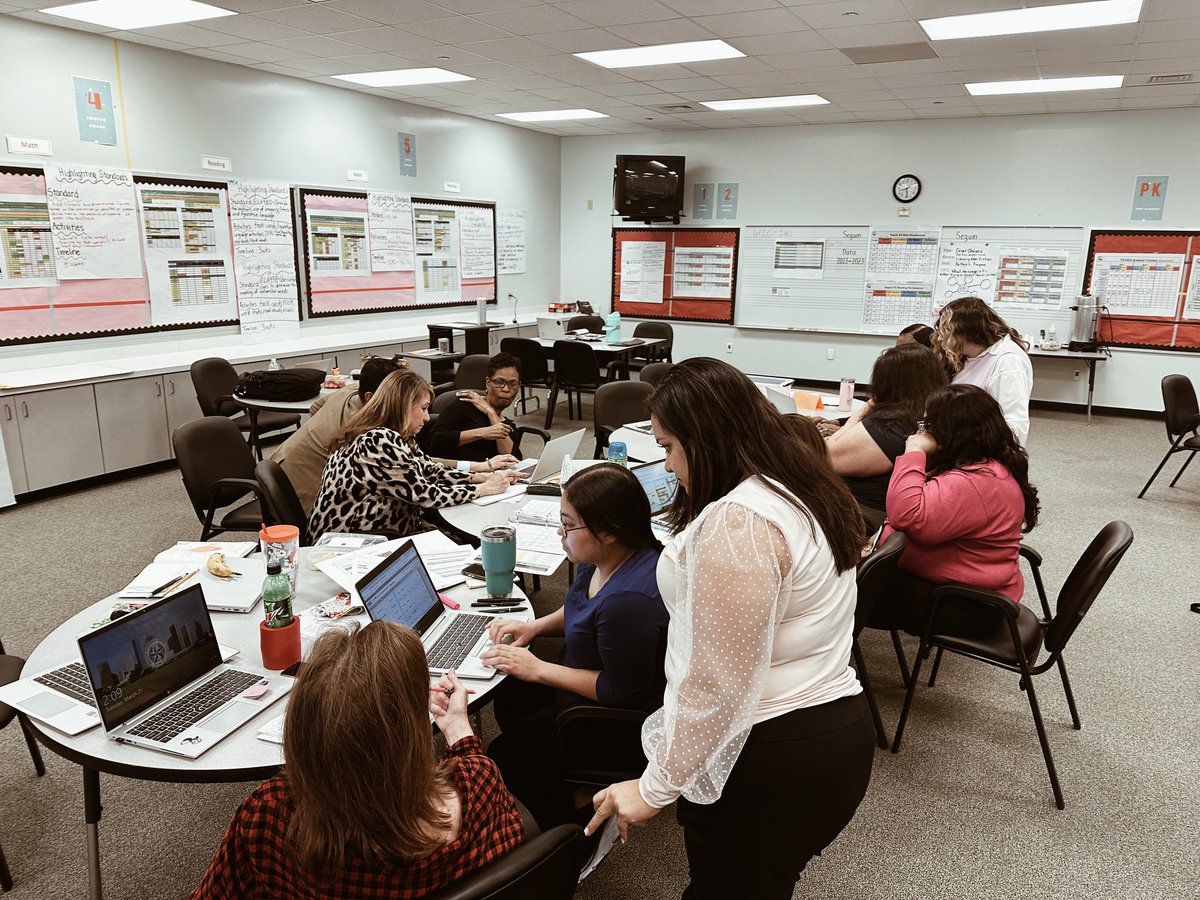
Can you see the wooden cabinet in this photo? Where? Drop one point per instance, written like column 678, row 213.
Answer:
column 180, row 396
column 60, row 436
column 12, row 444
column 132, row 416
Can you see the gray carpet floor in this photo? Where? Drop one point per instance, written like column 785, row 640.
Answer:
column 965, row 810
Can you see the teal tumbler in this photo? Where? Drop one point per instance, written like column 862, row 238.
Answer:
column 498, row 549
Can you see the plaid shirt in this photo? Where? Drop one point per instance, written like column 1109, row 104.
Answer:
column 253, row 859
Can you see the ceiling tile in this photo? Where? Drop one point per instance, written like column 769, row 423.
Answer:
column 528, row 82
column 263, row 53
column 533, row 20
column 386, row 39
column 1121, row 53
column 685, row 84
column 222, row 56
column 583, row 40
column 321, row 66
column 1164, row 50
column 253, row 28
column 1176, row 30
column 457, row 30
column 617, row 12
column 1086, row 37
column 190, row 35
column 315, row 18
column 372, row 62
column 833, row 15
column 741, row 24
column 993, row 61
column 444, row 57
column 507, row 49
column 873, row 35
column 471, row 7
column 1009, row 43
column 391, row 12
column 668, row 31
column 254, row 6
column 318, row 46
column 136, row 37
column 789, row 42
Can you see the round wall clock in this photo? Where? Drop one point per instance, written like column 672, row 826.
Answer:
column 907, row 188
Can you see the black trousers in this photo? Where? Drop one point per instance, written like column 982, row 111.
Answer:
column 524, row 749
column 795, row 786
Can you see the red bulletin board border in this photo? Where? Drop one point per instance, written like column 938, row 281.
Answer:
column 379, row 291
column 1159, row 332
column 689, row 309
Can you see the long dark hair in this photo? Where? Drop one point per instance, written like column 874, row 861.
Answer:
column 729, row 432
column 970, row 429
column 969, row 320
column 610, row 500
column 901, row 379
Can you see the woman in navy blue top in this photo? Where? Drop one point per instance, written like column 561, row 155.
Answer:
column 613, row 622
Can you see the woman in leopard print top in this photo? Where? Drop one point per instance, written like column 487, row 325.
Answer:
column 378, row 479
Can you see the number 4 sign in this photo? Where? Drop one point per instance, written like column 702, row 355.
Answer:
column 727, row 200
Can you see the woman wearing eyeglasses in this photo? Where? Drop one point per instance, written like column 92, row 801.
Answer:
column 613, row 621
column 961, row 493
column 764, row 737
column 475, row 427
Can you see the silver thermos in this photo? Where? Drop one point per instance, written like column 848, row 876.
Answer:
column 1083, row 326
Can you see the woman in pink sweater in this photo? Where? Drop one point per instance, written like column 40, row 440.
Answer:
column 961, row 493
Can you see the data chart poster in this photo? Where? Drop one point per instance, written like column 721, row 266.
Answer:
column 94, row 111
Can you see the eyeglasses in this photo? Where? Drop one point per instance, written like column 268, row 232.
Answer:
column 567, row 529
column 503, row 383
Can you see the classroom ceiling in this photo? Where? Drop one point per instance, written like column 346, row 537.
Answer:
column 520, row 53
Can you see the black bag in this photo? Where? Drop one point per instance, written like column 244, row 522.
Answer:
column 286, row 384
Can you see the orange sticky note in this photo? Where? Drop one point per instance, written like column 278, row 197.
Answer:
column 805, row 400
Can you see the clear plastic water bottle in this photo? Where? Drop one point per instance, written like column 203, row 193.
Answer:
column 618, row 453
column 273, row 365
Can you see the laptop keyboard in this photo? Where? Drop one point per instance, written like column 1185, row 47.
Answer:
column 454, row 645
column 187, row 711
column 71, row 680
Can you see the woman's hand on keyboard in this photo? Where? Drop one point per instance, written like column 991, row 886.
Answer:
column 515, row 661
column 510, row 631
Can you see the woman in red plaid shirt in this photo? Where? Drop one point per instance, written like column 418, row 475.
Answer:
column 362, row 809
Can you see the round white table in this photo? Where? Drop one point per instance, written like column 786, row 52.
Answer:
column 239, row 757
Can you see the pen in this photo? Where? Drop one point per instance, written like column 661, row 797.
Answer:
column 504, row 609
column 498, row 603
column 448, row 691
column 178, row 582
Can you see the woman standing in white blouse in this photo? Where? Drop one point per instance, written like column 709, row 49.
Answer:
column 978, row 347
column 764, row 737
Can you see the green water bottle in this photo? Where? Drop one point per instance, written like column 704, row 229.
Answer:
column 277, row 597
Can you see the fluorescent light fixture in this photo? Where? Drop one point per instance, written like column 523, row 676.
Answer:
column 662, row 54
column 1045, row 85
column 1034, row 19
column 129, row 14
column 404, row 77
column 553, row 115
column 767, row 102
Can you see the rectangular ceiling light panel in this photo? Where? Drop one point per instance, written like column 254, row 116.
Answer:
column 1045, row 85
column 766, row 102
column 553, row 115
column 404, row 77
column 1031, row 20
column 662, row 54
column 127, row 15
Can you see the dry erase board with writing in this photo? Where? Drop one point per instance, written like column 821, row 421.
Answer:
column 88, row 251
column 878, row 279
column 1151, row 285
column 384, row 250
column 687, row 274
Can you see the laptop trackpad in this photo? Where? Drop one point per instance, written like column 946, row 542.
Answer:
column 46, row 704
column 226, row 719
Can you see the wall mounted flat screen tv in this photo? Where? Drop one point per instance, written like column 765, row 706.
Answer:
column 648, row 187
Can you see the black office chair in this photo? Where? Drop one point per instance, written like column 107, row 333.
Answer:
column 594, row 324
column 874, row 576
column 582, row 730
column 1182, row 416
column 618, row 403
column 281, row 505
column 1017, row 641
column 535, row 367
column 655, row 353
column 471, row 373
column 217, row 468
column 653, row 373
column 442, row 402
column 214, row 380
column 545, row 867
column 576, row 372
column 10, row 671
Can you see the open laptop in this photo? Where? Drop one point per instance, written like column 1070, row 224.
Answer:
column 550, row 462
column 659, row 485
column 551, row 328
column 159, row 681
column 783, row 401
column 399, row 590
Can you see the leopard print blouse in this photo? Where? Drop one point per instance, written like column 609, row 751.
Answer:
column 380, row 482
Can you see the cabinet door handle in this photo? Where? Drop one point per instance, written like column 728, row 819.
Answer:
column 24, row 409
column 172, row 384
column 158, row 389
column 7, row 413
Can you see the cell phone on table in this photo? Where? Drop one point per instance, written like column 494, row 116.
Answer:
column 475, row 570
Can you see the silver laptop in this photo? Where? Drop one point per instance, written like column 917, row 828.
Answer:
column 399, row 590
column 784, row 402
column 551, row 328
column 660, row 486
column 61, row 697
column 159, row 681
column 550, row 462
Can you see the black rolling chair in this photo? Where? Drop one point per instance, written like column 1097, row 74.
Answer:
column 10, row 671
column 545, row 867
column 471, row 373
column 618, row 403
column 217, row 468
column 576, row 372
column 214, row 380
column 594, row 324
column 1017, row 641
column 655, row 353
column 442, row 402
column 281, row 505
column 582, row 730
column 1182, row 417
column 535, row 367
column 653, row 373
column 874, row 576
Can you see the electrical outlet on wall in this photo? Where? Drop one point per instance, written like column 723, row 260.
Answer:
column 829, row 353
column 1076, row 374
column 729, row 347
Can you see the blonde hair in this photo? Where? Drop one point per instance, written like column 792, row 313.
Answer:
column 389, row 407
column 968, row 320
column 360, row 769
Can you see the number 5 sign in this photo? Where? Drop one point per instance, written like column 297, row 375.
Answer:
column 727, row 200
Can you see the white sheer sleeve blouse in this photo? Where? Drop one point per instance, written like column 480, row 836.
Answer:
column 761, row 624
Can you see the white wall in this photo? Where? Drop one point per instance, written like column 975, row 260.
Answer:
column 177, row 107
column 1070, row 169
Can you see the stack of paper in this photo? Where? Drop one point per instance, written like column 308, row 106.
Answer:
column 514, row 491
column 197, row 552
column 154, row 580
column 272, row 731
column 442, row 557
column 539, row 512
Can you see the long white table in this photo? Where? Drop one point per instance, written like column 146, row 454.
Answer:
column 239, row 757
column 1087, row 357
